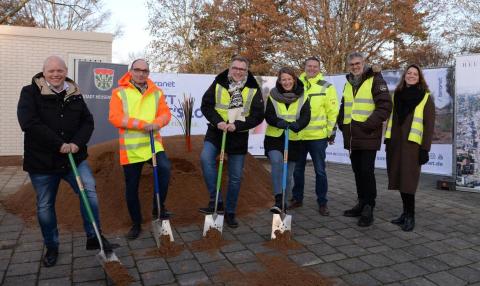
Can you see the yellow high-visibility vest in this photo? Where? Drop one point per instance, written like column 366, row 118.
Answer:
column 416, row 129
column 136, row 143
column 360, row 107
column 316, row 89
column 222, row 100
column 290, row 114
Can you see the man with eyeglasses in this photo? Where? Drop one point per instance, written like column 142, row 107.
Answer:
column 315, row 137
column 233, row 94
column 366, row 104
column 138, row 107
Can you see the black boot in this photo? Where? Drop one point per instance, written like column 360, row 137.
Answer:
column 366, row 217
column 409, row 223
column 356, row 211
column 92, row 243
column 277, row 207
column 134, row 232
column 400, row 220
column 211, row 208
column 231, row 221
column 50, row 258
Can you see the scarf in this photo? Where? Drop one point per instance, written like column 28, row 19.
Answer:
column 406, row 100
column 288, row 97
column 235, row 90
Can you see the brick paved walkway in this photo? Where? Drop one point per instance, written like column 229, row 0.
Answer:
column 444, row 249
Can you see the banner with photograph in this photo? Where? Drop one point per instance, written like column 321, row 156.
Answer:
column 467, row 122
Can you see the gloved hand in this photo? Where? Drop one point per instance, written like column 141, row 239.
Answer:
column 423, row 157
column 294, row 127
column 282, row 124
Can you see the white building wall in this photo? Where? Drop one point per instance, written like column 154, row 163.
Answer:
column 22, row 53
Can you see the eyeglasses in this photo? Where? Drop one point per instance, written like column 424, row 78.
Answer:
column 141, row 71
column 238, row 69
column 355, row 64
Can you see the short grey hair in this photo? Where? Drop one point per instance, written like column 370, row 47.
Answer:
column 353, row 55
column 137, row 60
column 54, row 58
column 240, row 59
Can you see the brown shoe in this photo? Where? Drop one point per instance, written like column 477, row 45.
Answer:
column 294, row 204
column 323, row 210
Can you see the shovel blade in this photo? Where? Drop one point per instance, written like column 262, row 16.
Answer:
column 107, row 257
column 280, row 224
column 213, row 221
column 161, row 228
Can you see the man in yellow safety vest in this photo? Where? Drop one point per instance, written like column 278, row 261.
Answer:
column 235, row 89
column 366, row 104
column 137, row 107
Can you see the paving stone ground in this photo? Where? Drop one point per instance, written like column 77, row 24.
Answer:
column 444, row 248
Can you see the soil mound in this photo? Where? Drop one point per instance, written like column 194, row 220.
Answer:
column 187, row 191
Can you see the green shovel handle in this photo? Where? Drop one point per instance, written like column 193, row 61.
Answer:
column 83, row 196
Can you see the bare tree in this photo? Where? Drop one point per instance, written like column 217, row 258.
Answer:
column 171, row 24
column 80, row 15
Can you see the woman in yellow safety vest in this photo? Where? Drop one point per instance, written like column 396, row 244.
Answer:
column 408, row 138
column 287, row 107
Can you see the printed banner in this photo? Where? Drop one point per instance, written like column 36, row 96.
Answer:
column 467, row 122
column 95, row 80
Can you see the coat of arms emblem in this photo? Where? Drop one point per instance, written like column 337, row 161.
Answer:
column 103, row 78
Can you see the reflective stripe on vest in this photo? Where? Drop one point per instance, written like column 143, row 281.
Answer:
column 290, row 114
column 416, row 129
column 136, row 143
column 317, row 127
column 222, row 100
column 360, row 107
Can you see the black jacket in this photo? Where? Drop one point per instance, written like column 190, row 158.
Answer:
column 49, row 120
column 367, row 135
column 277, row 143
column 237, row 141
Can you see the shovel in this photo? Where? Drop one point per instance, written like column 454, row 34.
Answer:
column 160, row 227
column 283, row 222
column 102, row 256
column 215, row 220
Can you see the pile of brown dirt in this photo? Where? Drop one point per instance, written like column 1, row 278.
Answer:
column 118, row 273
column 167, row 248
column 187, row 191
column 213, row 240
column 278, row 271
column 283, row 242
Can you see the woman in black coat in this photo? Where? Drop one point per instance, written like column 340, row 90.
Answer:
column 287, row 107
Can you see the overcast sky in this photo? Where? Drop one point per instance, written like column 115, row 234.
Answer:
column 132, row 16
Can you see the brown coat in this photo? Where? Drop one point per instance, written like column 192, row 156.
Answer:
column 403, row 165
column 367, row 135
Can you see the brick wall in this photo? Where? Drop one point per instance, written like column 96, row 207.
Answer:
column 22, row 53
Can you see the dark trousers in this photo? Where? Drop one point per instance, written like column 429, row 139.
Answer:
column 408, row 201
column 363, row 165
column 133, row 173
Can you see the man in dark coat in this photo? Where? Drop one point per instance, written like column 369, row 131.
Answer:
column 56, row 121
column 366, row 104
column 233, row 103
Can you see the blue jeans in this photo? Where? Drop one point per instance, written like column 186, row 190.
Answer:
column 276, row 163
column 316, row 148
column 235, row 170
column 133, row 173
column 46, row 188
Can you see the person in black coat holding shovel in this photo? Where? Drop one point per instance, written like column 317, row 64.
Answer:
column 287, row 107
column 56, row 121
column 233, row 91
